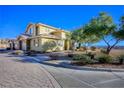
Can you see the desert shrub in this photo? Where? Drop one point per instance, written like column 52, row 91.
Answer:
column 18, row 52
column 77, row 49
column 57, row 49
column 103, row 51
column 93, row 48
column 30, row 53
column 77, row 56
column 70, row 54
column 8, row 48
column 83, row 58
column 104, row 59
column 54, row 56
column 91, row 55
column 120, row 59
column 83, row 48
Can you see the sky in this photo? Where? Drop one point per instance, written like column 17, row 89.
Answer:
column 14, row 19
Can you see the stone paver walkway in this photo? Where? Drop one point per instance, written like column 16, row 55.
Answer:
column 14, row 72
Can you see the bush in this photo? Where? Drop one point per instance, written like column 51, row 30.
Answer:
column 54, row 56
column 30, row 53
column 77, row 56
column 70, row 54
column 8, row 48
column 104, row 59
column 82, row 58
column 77, row 49
column 103, row 51
column 83, row 48
column 93, row 48
column 91, row 55
column 57, row 49
column 121, row 59
column 49, row 46
column 17, row 52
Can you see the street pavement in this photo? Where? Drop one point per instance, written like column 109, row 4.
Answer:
column 26, row 71
column 75, row 78
column 71, row 78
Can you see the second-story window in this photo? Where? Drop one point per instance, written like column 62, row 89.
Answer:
column 37, row 30
column 31, row 31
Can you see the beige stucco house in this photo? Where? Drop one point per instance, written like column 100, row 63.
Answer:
column 4, row 43
column 8, row 44
column 41, row 37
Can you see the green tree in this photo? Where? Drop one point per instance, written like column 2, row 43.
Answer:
column 82, row 36
column 89, row 38
column 76, row 36
column 103, row 27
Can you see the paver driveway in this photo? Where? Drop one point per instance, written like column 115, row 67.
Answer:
column 15, row 73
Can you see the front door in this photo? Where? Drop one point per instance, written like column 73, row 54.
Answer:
column 28, row 44
column 20, row 45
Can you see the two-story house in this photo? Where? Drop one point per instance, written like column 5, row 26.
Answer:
column 39, row 37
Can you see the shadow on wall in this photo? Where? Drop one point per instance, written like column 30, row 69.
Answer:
column 50, row 46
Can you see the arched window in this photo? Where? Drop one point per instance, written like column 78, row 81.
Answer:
column 31, row 31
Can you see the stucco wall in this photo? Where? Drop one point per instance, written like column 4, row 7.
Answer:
column 42, row 41
column 45, row 30
column 34, row 47
column 42, row 29
column 24, row 47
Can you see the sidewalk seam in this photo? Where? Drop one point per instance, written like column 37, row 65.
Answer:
column 54, row 81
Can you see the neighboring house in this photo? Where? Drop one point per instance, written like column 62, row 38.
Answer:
column 4, row 43
column 13, row 44
column 41, row 37
column 8, row 44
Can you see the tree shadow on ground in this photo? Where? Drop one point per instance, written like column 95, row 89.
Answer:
column 62, row 64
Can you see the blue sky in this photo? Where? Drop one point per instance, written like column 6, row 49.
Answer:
column 14, row 19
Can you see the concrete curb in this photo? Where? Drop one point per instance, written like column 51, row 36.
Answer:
column 93, row 68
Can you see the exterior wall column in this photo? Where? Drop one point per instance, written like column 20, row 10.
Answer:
column 34, row 29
